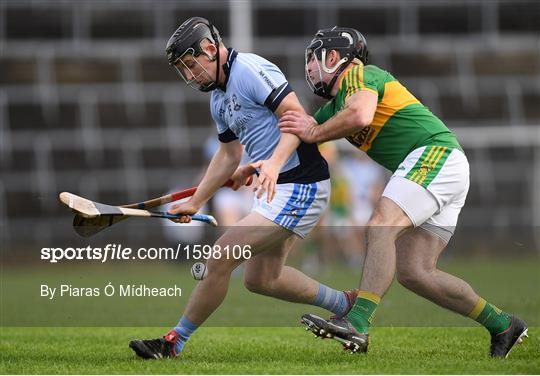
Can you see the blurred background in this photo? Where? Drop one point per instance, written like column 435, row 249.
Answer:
column 88, row 104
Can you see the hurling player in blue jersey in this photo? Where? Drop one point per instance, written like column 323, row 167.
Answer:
column 248, row 95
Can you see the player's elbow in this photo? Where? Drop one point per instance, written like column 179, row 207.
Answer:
column 237, row 155
column 365, row 120
column 234, row 154
column 358, row 117
column 361, row 118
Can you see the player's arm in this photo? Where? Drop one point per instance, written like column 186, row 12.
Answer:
column 288, row 143
column 221, row 167
column 357, row 113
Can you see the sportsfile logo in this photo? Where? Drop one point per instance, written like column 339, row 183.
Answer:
column 109, row 252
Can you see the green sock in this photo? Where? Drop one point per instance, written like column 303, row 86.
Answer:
column 492, row 318
column 361, row 313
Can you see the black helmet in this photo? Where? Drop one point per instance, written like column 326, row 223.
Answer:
column 350, row 44
column 187, row 39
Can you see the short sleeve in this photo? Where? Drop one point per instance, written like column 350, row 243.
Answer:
column 356, row 80
column 263, row 82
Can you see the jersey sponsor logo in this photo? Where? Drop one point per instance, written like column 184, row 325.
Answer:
column 267, row 80
column 240, row 123
column 371, row 135
column 360, row 137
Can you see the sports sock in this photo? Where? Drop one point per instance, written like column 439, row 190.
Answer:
column 362, row 312
column 184, row 329
column 333, row 300
column 492, row 318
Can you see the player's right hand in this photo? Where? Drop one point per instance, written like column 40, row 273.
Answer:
column 186, row 209
column 300, row 124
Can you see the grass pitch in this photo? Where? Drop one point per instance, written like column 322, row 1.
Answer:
column 251, row 333
column 262, row 350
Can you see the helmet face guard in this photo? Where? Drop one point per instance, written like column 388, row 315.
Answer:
column 313, row 53
column 348, row 42
column 186, row 44
column 316, row 52
column 193, row 72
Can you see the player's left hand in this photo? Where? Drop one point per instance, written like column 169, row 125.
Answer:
column 241, row 177
column 267, row 180
column 300, row 124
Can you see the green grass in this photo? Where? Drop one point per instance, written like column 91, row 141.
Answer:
column 261, row 350
column 251, row 333
column 517, row 292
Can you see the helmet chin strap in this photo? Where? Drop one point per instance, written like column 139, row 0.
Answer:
column 215, row 85
column 338, row 64
column 217, row 66
column 217, row 41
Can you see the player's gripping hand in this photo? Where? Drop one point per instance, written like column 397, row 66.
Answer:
column 267, row 180
column 241, row 177
column 187, row 209
column 300, row 124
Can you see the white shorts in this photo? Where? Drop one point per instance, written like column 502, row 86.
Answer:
column 431, row 186
column 296, row 207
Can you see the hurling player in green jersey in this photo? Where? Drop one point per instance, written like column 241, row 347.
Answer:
column 417, row 214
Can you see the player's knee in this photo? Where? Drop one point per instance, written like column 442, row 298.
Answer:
column 257, row 284
column 376, row 219
column 407, row 279
column 220, row 261
column 409, row 276
column 389, row 216
column 221, row 265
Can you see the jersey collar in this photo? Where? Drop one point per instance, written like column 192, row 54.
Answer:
column 227, row 66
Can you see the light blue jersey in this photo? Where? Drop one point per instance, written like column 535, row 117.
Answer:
column 244, row 110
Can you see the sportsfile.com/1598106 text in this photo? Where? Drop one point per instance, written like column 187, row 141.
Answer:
column 115, row 252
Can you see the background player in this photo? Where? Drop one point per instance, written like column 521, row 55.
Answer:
column 417, row 215
column 248, row 94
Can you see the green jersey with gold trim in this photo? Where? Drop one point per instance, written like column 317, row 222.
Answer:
column 400, row 124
